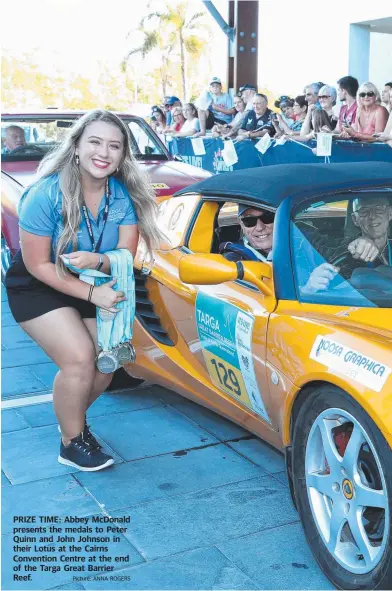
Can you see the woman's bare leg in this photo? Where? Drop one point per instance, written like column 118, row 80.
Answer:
column 64, row 337
column 101, row 380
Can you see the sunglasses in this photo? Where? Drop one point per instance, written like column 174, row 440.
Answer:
column 368, row 94
column 250, row 221
column 324, row 96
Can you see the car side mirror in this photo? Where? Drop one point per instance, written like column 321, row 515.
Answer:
column 213, row 269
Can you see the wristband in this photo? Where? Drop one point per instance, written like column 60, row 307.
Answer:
column 90, row 293
column 100, row 264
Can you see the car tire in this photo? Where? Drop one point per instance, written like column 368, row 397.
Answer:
column 5, row 258
column 342, row 469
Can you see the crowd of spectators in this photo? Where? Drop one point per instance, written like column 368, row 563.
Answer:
column 348, row 111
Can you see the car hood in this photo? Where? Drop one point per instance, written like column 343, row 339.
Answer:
column 167, row 177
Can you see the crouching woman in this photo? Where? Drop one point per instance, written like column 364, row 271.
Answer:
column 90, row 198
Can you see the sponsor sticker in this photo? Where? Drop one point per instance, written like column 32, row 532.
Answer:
column 159, row 186
column 225, row 334
column 350, row 363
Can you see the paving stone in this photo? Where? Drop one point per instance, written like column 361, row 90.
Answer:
column 23, row 356
column 13, row 337
column 19, row 380
column 5, row 307
column 150, row 432
column 209, row 420
column 7, row 319
column 39, row 415
column 43, row 580
column 12, row 421
column 279, row 558
column 4, row 480
column 127, row 400
column 45, row 372
column 186, row 522
column 31, row 455
column 62, row 496
column 132, row 483
column 282, row 477
column 205, row 568
column 4, row 297
column 261, row 453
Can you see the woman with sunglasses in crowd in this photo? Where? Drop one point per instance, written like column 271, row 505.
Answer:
column 371, row 117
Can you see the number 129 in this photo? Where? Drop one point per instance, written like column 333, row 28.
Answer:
column 224, row 375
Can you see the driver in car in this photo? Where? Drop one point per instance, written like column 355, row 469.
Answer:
column 14, row 138
column 371, row 249
column 256, row 245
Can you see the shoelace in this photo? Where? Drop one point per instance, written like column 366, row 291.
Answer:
column 91, row 439
column 85, row 443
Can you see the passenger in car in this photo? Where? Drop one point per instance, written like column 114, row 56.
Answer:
column 14, row 138
column 372, row 248
column 256, row 245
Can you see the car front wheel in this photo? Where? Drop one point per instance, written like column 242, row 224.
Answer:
column 342, row 473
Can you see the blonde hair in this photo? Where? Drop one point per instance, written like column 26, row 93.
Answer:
column 62, row 161
column 177, row 111
column 369, row 86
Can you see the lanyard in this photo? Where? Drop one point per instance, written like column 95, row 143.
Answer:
column 97, row 245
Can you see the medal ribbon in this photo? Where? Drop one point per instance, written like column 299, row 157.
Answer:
column 113, row 329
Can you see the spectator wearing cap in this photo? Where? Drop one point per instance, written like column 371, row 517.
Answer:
column 191, row 124
column 231, row 129
column 214, row 107
column 347, row 93
column 385, row 95
column 170, row 103
column 311, row 95
column 257, row 122
column 158, row 119
column 299, row 109
column 247, row 92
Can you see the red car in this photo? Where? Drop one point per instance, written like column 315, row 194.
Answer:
column 42, row 129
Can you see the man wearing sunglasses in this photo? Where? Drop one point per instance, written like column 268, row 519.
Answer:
column 257, row 226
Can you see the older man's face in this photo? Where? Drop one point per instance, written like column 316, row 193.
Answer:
column 372, row 216
column 261, row 234
column 310, row 97
column 14, row 138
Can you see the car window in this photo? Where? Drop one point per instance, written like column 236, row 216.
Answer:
column 143, row 142
column 342, row 250
column 174, row 216
column 32, row 139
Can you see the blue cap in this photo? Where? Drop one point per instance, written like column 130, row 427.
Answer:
column 171, row 100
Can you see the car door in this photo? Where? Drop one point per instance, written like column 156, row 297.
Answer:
column 219, row 331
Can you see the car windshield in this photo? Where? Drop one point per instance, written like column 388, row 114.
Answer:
column 342, row 250
column 32, row 138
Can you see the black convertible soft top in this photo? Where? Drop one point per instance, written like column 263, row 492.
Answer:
column 270, row 185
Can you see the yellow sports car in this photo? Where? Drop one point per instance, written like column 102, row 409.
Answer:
column 293, row 343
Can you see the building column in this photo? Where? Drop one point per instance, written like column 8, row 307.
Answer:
column 359, row 52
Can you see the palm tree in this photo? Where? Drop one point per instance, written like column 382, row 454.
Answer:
column 172, row 29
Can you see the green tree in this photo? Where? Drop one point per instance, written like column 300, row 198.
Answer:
column 176, row 32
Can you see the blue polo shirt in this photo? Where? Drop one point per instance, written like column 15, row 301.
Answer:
column 40, row 212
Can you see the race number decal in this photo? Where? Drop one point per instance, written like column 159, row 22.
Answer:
column 225, row 334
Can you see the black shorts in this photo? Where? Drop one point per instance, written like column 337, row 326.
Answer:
column 29, row 298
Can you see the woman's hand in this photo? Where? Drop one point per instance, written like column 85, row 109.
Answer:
column 83, row 259
column 104, row 296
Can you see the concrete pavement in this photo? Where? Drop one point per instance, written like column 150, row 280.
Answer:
column 203, row 503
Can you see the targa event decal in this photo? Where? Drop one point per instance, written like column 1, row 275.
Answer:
column 350, row 363
column 225, row 334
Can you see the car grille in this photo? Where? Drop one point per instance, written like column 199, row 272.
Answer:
column 145, row 311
